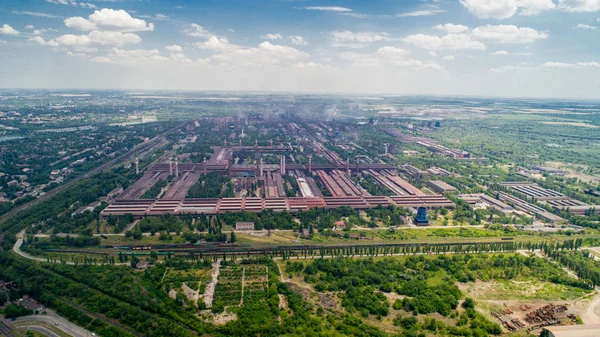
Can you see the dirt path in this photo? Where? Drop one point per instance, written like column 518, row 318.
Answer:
column 209, row 293
column 165, row 274
column 131, row 225
column 243, row 285
column 592, row 314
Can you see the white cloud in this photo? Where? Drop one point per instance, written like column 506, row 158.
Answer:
column 109, row 20
column 37, row 14
column 508, row 68
column 38, row 39
column 535, row 7
column 8, row 30
column 432, row 53
column 328, row 8
column 346, row 36
column 504, row 9
column 452, row 28
column 576, row 65
column 174, row 48
column 275, row 36
column 579, row 5
column 96, row 37
column 389, row 51
column 298, row 40
column 584, row 26
column 550, row 66
column 265, row 54
column 311, row 65
column 388, row 56
column 422, row 12
column 217, row 44
column 508, row 34
column 137, row 56
column 449, row 41
column 37, row 32
column 29, row 26
column 73, row 3
column 101, row 59
column 448, row 58
column 196, row 30
column 500, row 52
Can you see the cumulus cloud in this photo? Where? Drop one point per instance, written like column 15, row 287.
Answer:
column 8, row 30
column 452, row 28
column 38, row 39
column 576, row 65
column 500, row 52
column 579, row 6
column 101, row 59
column 275, row 36
column 101, row 38
column 504, row 9
column 584, row 26
column 449, row 41
column 217, row 44
column 388, row 56
column 351, row 39
column 265, row 54
column 196, row 30
column 448, row 58
column 109, row 20
column 174, row 48
column 298, row 40
column 328, row 8
column 508, row 34
column 550, row 66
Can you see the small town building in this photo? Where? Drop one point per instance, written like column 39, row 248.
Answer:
column 244, row 226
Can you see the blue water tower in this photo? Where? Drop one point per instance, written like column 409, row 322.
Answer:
column 421, row 218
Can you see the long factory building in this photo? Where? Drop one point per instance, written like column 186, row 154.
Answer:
column 292, row 205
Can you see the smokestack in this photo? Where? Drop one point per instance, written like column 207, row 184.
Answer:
column 137, row 166
column 225, row 142
column 282, row 166
column 348, row 167
column 170, row 166
column 204, row 165
column 176, row 167
column 310, row 164
column 262, row 168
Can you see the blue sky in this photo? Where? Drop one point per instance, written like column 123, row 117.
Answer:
column 527, row 48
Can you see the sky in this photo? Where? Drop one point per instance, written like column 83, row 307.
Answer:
column 508, row 48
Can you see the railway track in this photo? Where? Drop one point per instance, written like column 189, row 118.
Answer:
column 6, row 328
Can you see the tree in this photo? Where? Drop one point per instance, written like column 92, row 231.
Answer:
column 232, row 237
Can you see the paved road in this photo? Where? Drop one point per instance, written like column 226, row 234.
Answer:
column 53, row 319
column 39, row 329
column 17, row 249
